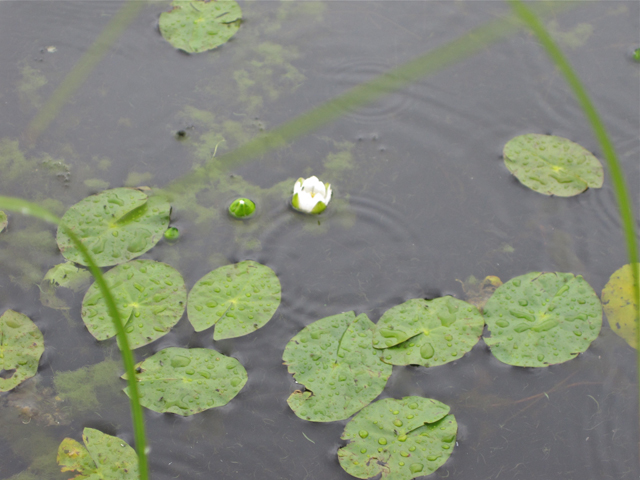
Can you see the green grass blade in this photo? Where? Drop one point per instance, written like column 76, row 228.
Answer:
column 473, row 42
column 27, row 208
column 617, row 175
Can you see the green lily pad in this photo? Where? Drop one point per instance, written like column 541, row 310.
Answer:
column 115, row 225
column 21, row 346
column 150, row 297
column 187, row 381
column 552, row 165
column 333, row 358
column 401, row 439
column 238, row 299
column 540, row 319
column 3, row 220
column 104, row 458
column 64, row 275
column 200, row 25
column 428, row 332
column 620, row 304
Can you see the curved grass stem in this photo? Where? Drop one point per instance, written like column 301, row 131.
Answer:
column 27, row 208
column 620, row 189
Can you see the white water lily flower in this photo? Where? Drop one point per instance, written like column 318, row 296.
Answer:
column 311, row 195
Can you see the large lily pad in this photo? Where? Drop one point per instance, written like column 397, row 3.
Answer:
column 150, row 297
column 620, row 304
column 539, row 319
column 341, row 371
column 200, row 25
column 21, row 346
column 428, row 332
column 187, row 381
column 115, row 225
column 104, row 458
column 401, row 439
column 238, row 299
column 552, row 165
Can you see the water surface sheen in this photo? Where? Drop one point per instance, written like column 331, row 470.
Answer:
column 421, row 199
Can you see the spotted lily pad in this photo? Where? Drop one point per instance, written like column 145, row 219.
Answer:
column 21, row 346
column 200, row 25
column 552, row 165
column 238, row 299
column 3, row 221
column 104, row 458
column 401, row 439
column 620, row 305
column 115, row 225
column 334, row 360
column 150, row 297
column 428, row 332
column 187, row 381
column 539, row 319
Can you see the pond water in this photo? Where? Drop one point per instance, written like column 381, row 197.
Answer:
column 422, row 200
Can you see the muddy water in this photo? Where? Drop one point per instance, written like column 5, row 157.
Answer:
column 421, row 199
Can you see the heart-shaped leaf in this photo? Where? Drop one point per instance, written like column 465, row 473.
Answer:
column 428, row 332
column 187, row 381
column 552, row 165
column 539, row 319
column 115, row 225
column 200, row 25
column 104, row 458
column 21, row 346
column 150, row 297
column 335, row 361
column 401, row 439
column 238, row 299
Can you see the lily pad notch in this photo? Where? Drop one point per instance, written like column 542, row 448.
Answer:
column 238, row 299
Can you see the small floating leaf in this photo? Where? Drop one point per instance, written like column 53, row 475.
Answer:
column 341, row 371
column 187, row 381
column 68, row 275
column 552, row 165
column 197, row 25
column 104, row 458
column 238, row 299
column 428, row 332
column 115, row 225
column 540, row 319
column 400, row 439
column 21, row 346
column 150, row 297
column 620, row 305
column 3, row 221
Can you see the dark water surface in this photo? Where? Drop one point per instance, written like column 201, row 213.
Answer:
column 421, row 199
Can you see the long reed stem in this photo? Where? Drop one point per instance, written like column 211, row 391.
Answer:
column 608, row 151
column 27, row 208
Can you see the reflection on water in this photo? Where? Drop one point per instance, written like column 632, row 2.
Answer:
column 421, row 198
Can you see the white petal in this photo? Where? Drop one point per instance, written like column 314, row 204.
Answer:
column 327, row 197
column 306, row 202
